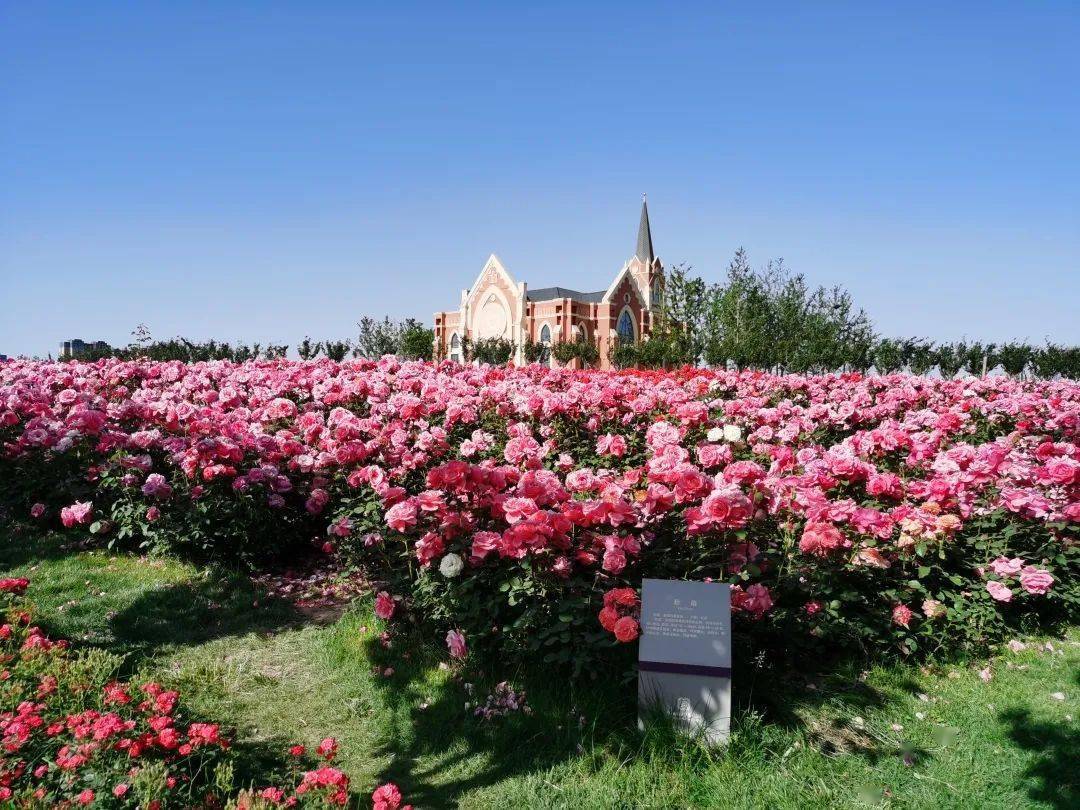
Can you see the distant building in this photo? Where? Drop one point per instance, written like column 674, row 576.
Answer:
column 75, row 348
column 498, row 306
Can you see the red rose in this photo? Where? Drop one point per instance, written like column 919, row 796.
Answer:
column 608, row 617
column 626, row 629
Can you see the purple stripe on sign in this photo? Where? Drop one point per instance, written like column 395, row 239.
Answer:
column 685, row 669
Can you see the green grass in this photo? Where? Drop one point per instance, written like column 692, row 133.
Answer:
column 894, row 736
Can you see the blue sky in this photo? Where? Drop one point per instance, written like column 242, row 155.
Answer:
column 262, row 171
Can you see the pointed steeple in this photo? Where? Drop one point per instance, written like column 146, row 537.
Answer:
column 644, row 235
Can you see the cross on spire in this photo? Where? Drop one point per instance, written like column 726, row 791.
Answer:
column 644, row 235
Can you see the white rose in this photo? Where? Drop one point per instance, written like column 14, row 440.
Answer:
column 451, row 566
column 715, row 434
column 732, row 433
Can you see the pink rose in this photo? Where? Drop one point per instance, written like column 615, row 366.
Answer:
column 76, row 514
column 1062, row 471
column 401, row 516
column 483, row 543
column 1036, row 580
column 819, row 539
column 902, row 615
column 999, row 591
column 384, row 605
column 871, row 557
column 614, row 561
column 757, row 599
column 610, row 444
column 1004, row 567
column 455, row 642
column 386, row 797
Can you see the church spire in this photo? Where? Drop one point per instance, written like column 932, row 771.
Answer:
column 644, row 235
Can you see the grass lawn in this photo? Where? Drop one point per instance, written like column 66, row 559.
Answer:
column 897, row 736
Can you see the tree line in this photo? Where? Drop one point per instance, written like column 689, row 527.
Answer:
column 408, row 339
column 772, row 319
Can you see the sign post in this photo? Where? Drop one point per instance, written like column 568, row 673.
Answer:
column 684, row 655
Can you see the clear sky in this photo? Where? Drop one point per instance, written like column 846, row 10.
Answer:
column 262, row 170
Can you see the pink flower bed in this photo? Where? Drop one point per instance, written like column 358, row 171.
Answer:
column 502, row 504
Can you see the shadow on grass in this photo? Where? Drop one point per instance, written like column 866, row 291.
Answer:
column 448, row 751
column 21, row 545
column 214, row 604
column 217, row 605
column 1053, row 777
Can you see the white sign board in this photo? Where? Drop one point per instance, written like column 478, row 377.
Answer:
column 684, row 655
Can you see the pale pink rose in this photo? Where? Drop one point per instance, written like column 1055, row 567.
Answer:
column 37, row 510
column 932, row 608
column 455, row 642
column 999, row 591
column 1036, row 580
column 153, row 514
column 1004, row 567
column 871, row 557
column 317, row 501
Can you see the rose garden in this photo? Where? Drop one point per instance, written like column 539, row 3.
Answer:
column 306, row 582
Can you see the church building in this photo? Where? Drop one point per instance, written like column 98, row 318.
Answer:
column 498, row 306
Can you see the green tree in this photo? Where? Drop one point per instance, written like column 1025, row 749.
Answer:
column 495, row 350
column 888, row 355
column 1014, row 357
column 308, row 349
column 918, row 355
column 335, row 349
column 416, row 341
column 377, row 338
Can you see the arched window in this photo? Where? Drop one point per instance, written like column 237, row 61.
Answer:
column 455, row 348
column 545, row 341
column 625, row 327
column 656, row 292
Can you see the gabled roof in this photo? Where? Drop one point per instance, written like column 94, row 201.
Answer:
column 625, row 273
column 555, row 293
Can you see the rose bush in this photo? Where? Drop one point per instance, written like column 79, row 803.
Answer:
column 503, row 504
column 71, row 734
